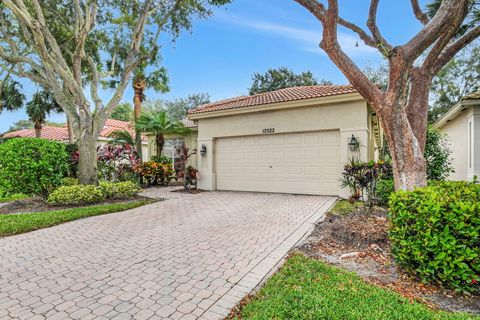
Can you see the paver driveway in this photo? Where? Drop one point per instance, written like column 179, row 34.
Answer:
column 192, row 256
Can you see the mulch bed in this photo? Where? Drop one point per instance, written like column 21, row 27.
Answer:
column 38, row 205
column 192, row 191
column 359, row 242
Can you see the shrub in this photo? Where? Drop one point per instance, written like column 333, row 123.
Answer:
column 79, row 194
column 32, row 166
column 435, row 233
column 385, row 188
column 119, row 190
column 437, row 155
column 155, row 173
column 362, row 177
column 163, row 159
column 116, row 162
column 69, row 181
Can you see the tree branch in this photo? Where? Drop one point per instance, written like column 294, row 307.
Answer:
column 421, row 16
column 449, row 52
column 382, row 44
column 430, row 33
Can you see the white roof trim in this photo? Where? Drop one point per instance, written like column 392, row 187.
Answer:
column 453, row 112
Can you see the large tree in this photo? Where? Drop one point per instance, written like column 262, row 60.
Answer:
column 177, row 109
column 123, row 112
column 460, row 77
column 63, row 46
column 403, row 105
column 280, row 78
column 11, row 96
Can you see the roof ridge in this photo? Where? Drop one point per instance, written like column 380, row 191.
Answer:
column 280, row 95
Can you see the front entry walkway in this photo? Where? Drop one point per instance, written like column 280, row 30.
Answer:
column 189, row 257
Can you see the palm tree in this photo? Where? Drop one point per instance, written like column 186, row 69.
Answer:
column 156, row 80
column 10, row 96
column 121, row 137
column 159, row 124
column 39, row 107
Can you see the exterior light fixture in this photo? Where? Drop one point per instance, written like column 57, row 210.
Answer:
column 353, row 144
column 203, row 150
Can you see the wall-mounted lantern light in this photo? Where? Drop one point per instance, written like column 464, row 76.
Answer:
column 353, row 144
column 203, row 150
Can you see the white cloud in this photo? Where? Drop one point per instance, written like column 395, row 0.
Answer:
column 308, row 40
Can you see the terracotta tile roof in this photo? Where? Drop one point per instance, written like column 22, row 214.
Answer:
column 282, row 95
column 48, row 132
column 61, row 133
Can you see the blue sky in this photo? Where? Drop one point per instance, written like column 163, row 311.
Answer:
column 247, row 36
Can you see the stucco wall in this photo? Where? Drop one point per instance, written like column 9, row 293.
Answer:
column 349, row 117
column 457, row 131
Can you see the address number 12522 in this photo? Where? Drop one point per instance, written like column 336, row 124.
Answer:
column 268, row 130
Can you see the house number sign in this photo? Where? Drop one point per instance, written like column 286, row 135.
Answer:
column 268, row 130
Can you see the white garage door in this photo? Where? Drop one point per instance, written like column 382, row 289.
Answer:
column 302, row 163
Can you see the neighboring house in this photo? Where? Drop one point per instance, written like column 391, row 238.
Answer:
column 61, row 133
column 294, row 140
column 173, row 141
column 462, row 125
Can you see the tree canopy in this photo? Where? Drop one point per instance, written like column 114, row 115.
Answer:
column 280, row 78
column 123, row 112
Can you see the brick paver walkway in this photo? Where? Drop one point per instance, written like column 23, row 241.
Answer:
column 192, row 256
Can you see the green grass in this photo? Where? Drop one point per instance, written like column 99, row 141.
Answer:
column 344, row 207
column 20, row 223
column 310, row 289
column 13, row 197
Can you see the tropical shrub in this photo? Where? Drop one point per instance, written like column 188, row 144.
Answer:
column 384, row 188
column 362, row 177
column 116, row 162
column 119, row 190
column 437, row 155
column 85, row 194
column 190, row 178
column 77, row 194
column 163, row 159
column 32, row 166
column 69, row 181
column 435, row 233
column 154, row 173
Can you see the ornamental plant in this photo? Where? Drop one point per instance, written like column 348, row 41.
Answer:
column 154, row 173
column 362, row 178
column 116, row 162
column 435, row 233
column 32, row 166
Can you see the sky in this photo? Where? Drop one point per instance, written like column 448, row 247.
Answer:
column 222, row 52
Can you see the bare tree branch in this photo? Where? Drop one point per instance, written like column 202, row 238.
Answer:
column 431, row 32
column 449, row 52
column 382, row 44
column 421, row 16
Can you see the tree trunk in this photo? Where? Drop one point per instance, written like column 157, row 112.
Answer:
column 409, row 166
column 160, row 141
column 37, row 125
column 71, row 136
column 87, row 163
column 139, row 85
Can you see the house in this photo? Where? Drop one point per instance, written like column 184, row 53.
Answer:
column 61, row 133
column 462, row 125
column 293, row 140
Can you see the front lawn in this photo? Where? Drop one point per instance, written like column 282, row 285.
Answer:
column 11, row 224
column 306, row 288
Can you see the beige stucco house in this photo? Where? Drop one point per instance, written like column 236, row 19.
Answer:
column 462, row 125
column 294, row 140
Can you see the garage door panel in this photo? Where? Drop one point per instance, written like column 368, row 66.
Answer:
column 306, row 163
